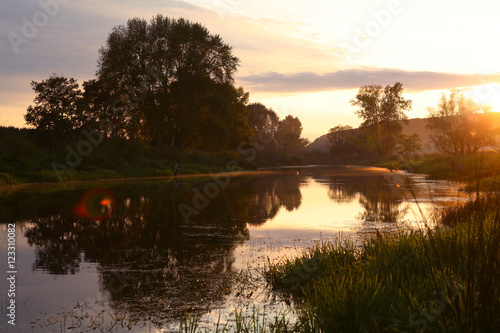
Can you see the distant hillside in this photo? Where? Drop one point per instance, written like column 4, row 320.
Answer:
column 416, row 125
column 320, row 144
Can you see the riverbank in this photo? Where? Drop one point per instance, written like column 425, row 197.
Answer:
column 102, row 174
column 144, row 162
column 439, row 280
column 477, row 172
column 232, row 169
column 146, row 219
column 171, row 178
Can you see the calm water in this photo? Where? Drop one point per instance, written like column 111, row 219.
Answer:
column 138, row 254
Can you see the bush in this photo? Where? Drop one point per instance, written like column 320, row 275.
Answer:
column 7, row 179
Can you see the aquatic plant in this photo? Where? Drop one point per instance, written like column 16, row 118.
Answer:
column 438, row 280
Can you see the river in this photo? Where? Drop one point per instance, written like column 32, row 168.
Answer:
column 136, row 255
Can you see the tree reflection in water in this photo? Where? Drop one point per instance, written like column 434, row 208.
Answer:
column 383, row 201
column 272, row 193
column 153, row 265
column 382, row 198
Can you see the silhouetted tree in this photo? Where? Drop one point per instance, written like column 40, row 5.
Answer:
column 263, row 121
column 382, row 109
column 459, row 125
column 288, row 135
column 174, row 82
column 101, row 111
column 341, row 140
column 56, row 114
column 226, row 124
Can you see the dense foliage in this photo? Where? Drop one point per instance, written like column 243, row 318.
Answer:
column 174, row 83
column 164, row 92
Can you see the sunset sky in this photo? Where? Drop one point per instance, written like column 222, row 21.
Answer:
column 304, row 58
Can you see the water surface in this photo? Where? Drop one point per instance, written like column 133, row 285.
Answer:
column 136, row 255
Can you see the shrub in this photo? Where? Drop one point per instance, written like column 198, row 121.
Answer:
column 7, row 179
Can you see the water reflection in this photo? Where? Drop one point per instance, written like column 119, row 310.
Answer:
column 272, row 193
column 152, row 264
column 382, row 196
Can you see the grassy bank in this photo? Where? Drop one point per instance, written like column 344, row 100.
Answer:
column 441, row 280
column 477, row 171
column 23, row 160
column 190, row 163
column 96, row 173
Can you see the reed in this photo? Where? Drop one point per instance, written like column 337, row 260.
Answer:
column 256, row 321
column 444, row 279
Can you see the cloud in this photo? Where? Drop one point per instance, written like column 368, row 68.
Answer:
column 355, row 78
column 65, row 39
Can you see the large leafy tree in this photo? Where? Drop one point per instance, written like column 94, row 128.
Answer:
column 263, row 121
column 459, row 125
column 101, row 110
column 288, row 135
column 382, row 110
column 226, row 119
column 173, row 81
column 56, row 113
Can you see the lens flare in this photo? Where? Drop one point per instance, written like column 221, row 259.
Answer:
column 96, row 204
column 105, row 202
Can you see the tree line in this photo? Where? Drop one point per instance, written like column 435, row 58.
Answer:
column 458, row 126
column 168, row 83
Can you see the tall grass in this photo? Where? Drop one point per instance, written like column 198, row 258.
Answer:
column 253, row 323
column 440, row 280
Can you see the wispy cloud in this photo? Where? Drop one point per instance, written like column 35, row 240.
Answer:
column 355, row 78
column 64, row 38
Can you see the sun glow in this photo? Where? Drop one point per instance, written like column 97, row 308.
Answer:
column 488, row 94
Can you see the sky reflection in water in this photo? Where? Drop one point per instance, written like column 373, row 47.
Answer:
column 146, row 264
